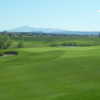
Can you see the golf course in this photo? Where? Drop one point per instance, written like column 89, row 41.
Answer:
column 50, row 50
column 51, row 73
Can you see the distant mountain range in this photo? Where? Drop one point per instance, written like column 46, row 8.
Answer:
column 48, row 31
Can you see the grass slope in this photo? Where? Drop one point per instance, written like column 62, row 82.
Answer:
column 51, row 74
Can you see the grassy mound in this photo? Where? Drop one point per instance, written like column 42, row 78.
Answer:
column 51, row 74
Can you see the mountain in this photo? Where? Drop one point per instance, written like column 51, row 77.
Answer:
column 22, row 29
column 48, row 30
column 36, row 30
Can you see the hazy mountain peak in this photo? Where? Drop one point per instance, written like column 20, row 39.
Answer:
column 31, row 29
column 22, row 29
column 47, row 30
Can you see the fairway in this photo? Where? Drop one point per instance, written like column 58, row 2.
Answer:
column 51, row 73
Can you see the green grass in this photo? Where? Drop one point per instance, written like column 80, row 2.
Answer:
column 52, row 41
column 51, row 74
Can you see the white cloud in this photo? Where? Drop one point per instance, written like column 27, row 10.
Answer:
column 98, row 11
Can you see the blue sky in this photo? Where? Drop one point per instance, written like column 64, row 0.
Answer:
column 81, row 15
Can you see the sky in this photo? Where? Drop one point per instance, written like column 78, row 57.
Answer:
column 82, row 15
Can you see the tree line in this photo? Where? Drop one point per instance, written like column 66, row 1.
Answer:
column 6, row 41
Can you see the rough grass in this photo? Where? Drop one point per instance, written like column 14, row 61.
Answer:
column 51, row 74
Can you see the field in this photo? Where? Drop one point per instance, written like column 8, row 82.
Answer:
column 51, row 73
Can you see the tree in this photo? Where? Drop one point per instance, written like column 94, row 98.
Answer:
column 99, row 35
column 5, row 41
column 20, row 44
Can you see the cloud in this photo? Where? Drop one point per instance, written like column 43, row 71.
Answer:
column 98, row 11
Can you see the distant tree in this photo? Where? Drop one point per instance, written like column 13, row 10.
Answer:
column 20, row 44
column 5, row 41
column 99, row 35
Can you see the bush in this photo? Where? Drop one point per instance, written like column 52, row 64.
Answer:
column 1, row 54
column 20, row 44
